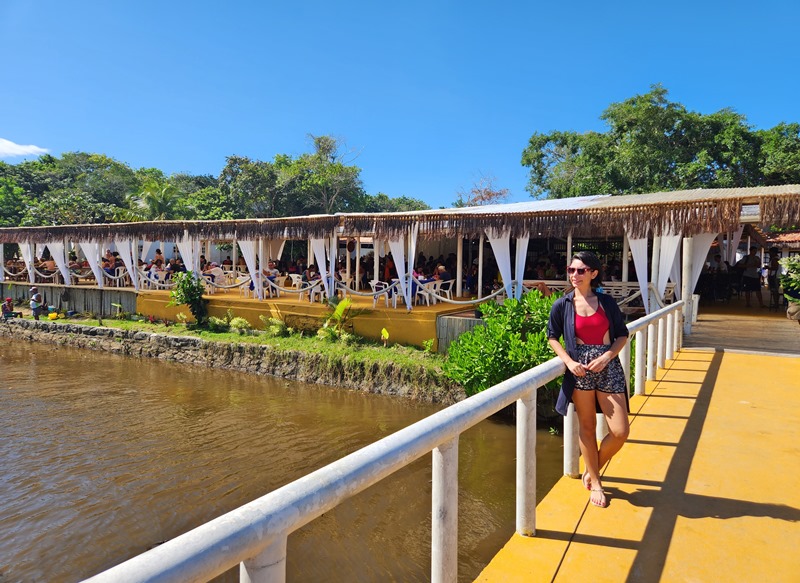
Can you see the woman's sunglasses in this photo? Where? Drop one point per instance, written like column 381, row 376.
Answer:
column 578, row 270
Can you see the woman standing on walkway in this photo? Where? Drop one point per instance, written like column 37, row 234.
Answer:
column 594, row 332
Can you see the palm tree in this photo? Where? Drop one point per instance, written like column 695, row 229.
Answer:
column 157, row 201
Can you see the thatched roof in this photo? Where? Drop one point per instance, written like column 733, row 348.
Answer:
column 691, row 211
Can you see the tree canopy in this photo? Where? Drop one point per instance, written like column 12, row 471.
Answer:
column 80, row 187
column 653, row 144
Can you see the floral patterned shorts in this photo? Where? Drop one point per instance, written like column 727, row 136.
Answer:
column 609, row 380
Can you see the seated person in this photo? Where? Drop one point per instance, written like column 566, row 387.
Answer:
column 442, row 274
column 311, row 274
column 227, row 262
column 8, row 310
column 271, row 271
column 717, row 265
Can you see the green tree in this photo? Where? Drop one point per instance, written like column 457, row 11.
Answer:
column 654, row 144
column 328, row 184
column 382, row 203
column 256, row 187
column 157, row 201
column 65, row 207
column 210, row 204
column 13, row 203
column 780, row 154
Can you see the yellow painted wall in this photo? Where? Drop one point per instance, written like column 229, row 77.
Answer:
column 404, row 327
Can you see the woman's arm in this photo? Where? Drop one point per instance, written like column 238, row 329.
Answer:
column 574, row 367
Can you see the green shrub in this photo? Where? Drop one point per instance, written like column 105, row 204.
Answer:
column 215, row 324
column 512, row 340
column 275, row 327
column 189, row 290
column 240, row 325
column 790, row 280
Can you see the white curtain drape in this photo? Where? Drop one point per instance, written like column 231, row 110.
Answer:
column 57, row 252
column 397, row 247
column 638, row 249
column 502, row 254
column 248, row 249
column 275, row 248
column 700, row 245
column 412, row 254
column 189, row 249
column 519, row 268
column 146, row 249
column 669, row 247
column 733, row 245
column 320, row 254
column 675, row 271
column 26, row 249
column 94, row 253
column 127, row 251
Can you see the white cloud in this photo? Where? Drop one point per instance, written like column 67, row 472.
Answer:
column 9, row 149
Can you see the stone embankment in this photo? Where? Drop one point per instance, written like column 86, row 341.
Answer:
column 383, row 378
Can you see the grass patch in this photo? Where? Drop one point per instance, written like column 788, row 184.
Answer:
column 364, row 351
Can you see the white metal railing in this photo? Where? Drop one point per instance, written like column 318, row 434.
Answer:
column 254, row 536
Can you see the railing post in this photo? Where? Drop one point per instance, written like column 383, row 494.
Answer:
column 670, row 336
column 269, row 566
column 444, row 513
column 641, row 365
column 678, row 331
column 625, row 359
column 600, row 427
column 526, row 464
column 572, row 451
column 662, row 345
column 652, row 339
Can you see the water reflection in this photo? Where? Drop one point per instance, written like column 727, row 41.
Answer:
column 104, row 457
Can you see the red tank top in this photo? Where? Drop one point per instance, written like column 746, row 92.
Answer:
column 591, row 329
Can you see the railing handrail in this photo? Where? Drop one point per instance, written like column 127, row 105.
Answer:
column 645, row 321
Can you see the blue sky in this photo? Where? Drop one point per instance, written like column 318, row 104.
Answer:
column 430, row 95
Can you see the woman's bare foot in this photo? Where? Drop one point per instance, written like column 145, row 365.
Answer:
column 598, row 497
column 587, row 481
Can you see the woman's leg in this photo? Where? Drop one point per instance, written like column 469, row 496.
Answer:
column 587, row 424
column 616, row 414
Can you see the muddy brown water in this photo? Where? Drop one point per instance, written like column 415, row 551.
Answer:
column 104, row 456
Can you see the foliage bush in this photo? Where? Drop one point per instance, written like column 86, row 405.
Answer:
column 189, row 290
column 790, row 280
column 275, row 327
column 512, row 340
column 240, row 325
column 338, row 320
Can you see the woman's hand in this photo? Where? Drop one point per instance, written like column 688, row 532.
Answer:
column 577, row 369
column 599, row 363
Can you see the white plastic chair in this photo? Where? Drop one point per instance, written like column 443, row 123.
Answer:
column 379, row 288
column 244, row 286
column 446, row 289
column 423, row 294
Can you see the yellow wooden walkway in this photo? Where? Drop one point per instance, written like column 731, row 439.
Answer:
column 706, row 489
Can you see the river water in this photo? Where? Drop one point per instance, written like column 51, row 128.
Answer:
column 104, row 456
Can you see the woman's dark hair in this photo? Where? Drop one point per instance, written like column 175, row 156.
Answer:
column 591, row 260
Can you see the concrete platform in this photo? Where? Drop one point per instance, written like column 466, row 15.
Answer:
column 706, row 489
